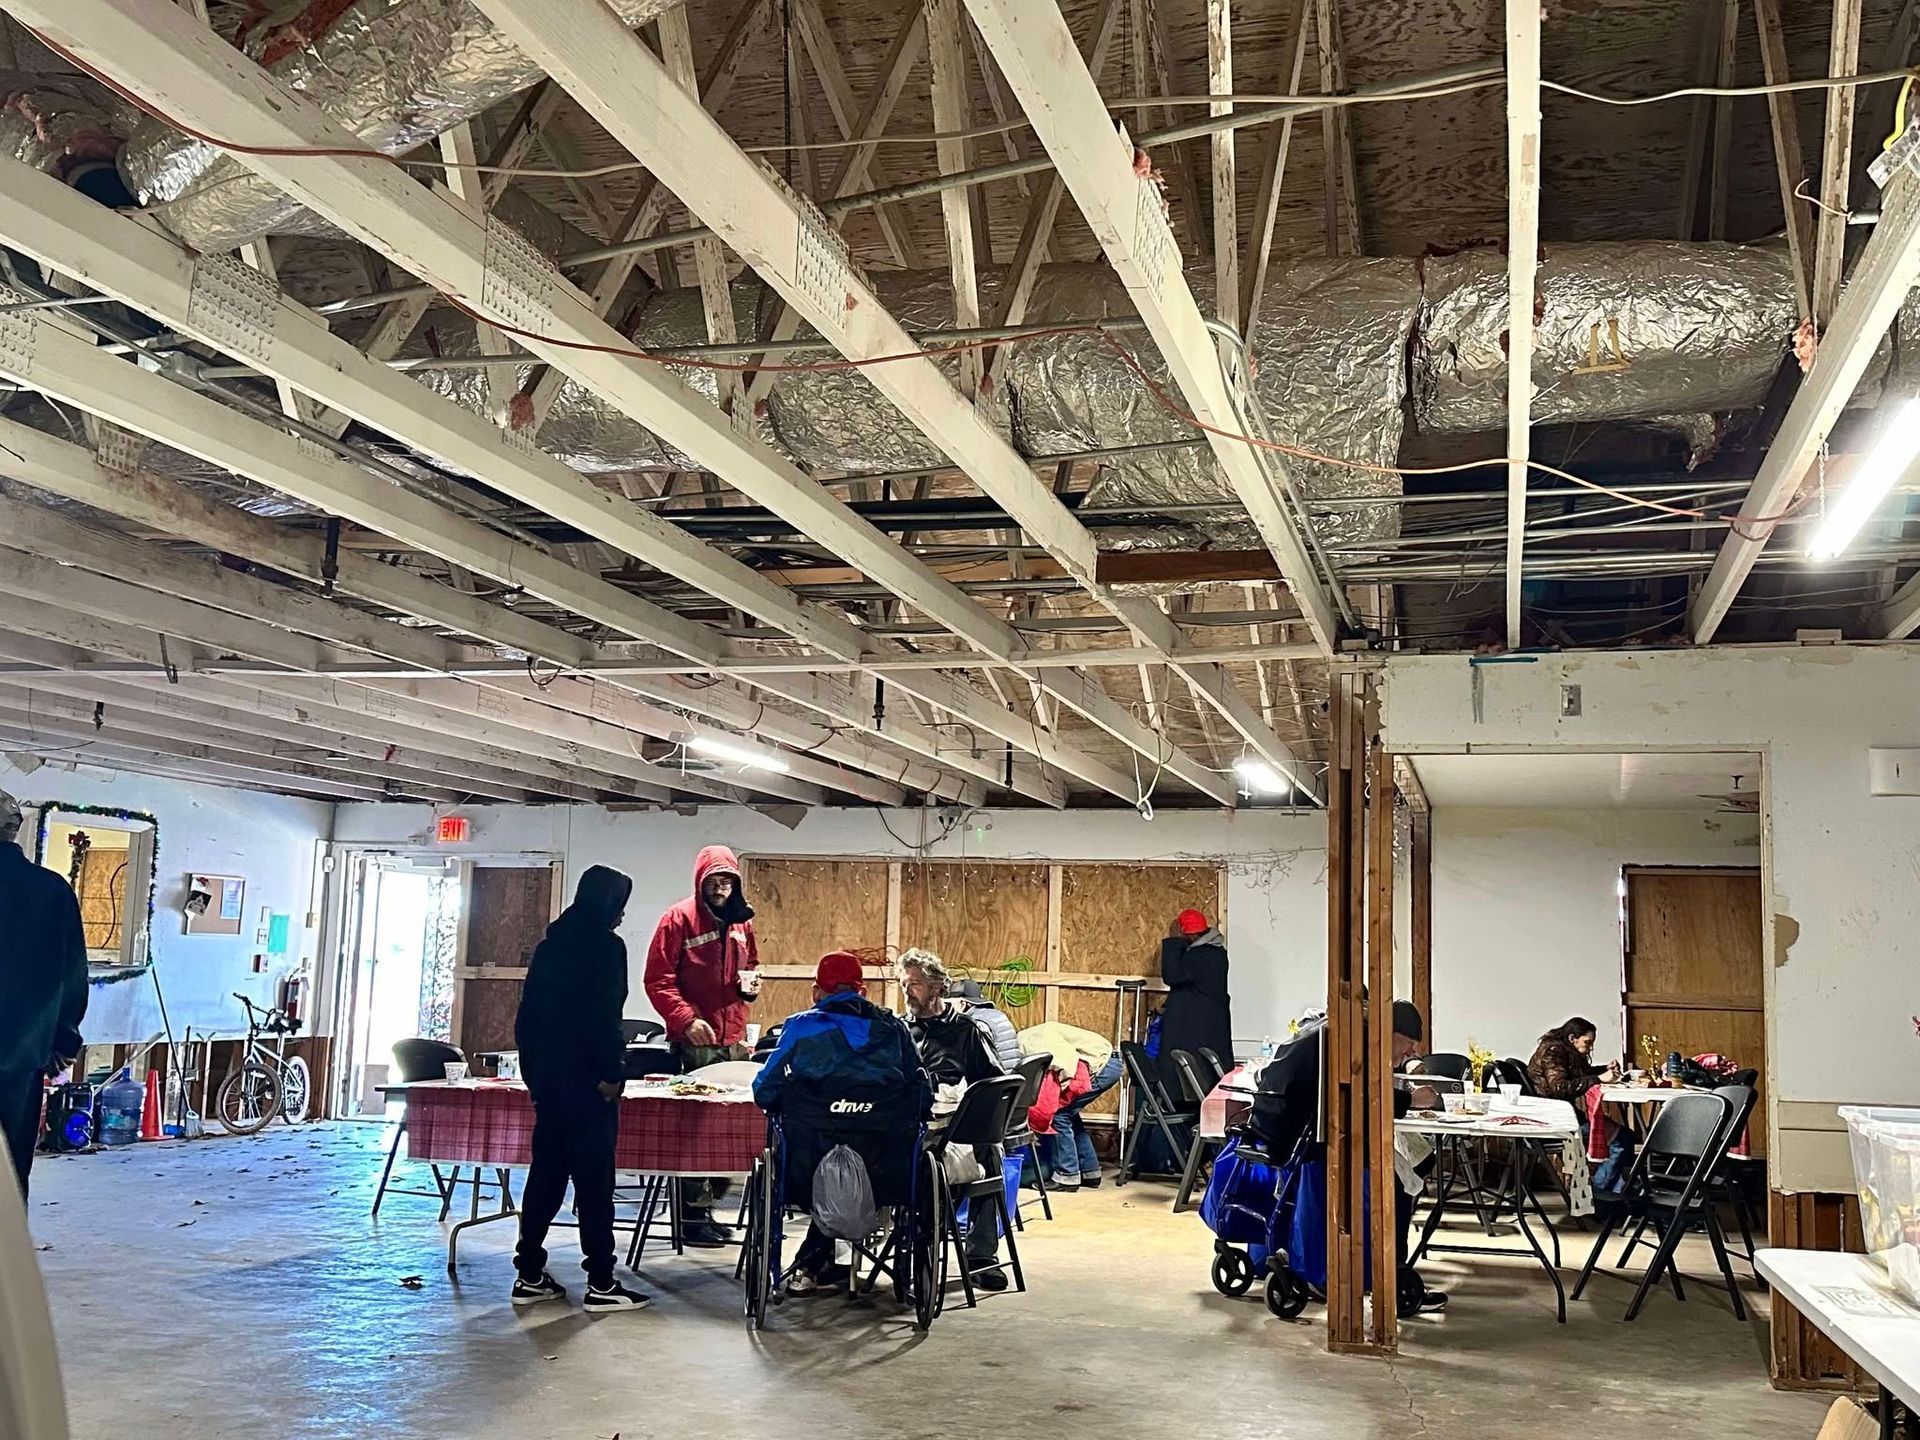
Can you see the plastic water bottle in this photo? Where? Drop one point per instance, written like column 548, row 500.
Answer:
column 121, row 1101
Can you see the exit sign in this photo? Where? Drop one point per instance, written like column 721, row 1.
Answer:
column 452, row 829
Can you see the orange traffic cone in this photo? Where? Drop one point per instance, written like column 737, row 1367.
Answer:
column 150, row 1108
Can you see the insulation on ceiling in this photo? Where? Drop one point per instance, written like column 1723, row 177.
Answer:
column 397, row 73
column 1628, row 330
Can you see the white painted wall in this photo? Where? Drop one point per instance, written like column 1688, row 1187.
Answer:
column 1842, row 868
column 269, row 839
column 1276, row 864
column 1526, row 914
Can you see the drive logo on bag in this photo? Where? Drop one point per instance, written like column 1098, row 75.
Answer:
column 850, row 1107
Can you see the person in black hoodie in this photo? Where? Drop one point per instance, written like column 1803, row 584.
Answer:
column 571, row 1052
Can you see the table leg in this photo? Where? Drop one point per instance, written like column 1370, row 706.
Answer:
column 1439, row 1206
column 453, row 1236
column 1886, row 1414
column 1520, row 1148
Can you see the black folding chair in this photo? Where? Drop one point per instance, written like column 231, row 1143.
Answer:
column 983, row 1118
column 1152, row 1106
column 1669, row 1191
column 1513, row 1072
column 1446, row 1064
column 1212, row 1070
column 1020, row 1137
column 1727, row 1186
column 1195, row 1089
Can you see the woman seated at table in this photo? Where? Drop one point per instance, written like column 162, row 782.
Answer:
column 1562, row 1068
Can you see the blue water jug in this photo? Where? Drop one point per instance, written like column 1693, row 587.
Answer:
column 119, row 1108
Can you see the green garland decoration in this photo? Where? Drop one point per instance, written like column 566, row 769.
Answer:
column 108, row 812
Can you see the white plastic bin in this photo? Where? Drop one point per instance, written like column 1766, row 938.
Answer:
column 1886, row 1173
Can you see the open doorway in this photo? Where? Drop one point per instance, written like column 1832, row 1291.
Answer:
column 402, row 944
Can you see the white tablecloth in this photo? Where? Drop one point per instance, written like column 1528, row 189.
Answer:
column 1529, row 1117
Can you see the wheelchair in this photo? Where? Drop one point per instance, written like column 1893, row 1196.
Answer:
column 910, row 1254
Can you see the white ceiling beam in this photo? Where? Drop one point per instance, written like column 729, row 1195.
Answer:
column 624, row 87
column 86, row 376
column 104, row 644
column 1226, row 177
column 421, row 774
column 194, row 74
column 85, row 634
column 1888, row 268
column 953, row 111
column 601, row 700
column 31, row 577
column 1523, row 264
column 170, row 703
column 62, row 468
column 1036, row 54
column 79, row 738
column 49, row 535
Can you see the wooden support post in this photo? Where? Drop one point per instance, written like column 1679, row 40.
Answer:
column 1344, row 1084
column 1384, row 1332
column 1056, row 893
column 1420, row 940
column 952, row 111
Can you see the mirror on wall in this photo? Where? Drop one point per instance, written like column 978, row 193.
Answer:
column 108, row 857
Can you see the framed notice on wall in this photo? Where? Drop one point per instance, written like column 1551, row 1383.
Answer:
column 214, row 904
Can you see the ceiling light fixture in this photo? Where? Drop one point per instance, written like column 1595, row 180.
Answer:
column 1260, row 778
column 1897, row 453
column 752, row 756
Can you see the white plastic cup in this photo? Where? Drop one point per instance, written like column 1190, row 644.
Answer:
column 750, row 984
column 1510, row 1093
column 753, row 1036
column 456, row 1070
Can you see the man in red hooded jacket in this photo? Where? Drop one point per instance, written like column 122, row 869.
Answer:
column 702, row 974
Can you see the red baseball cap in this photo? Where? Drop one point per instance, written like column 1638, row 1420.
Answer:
column 840, row 971
column 1191, row 922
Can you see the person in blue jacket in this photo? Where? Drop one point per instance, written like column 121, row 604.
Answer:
column 845, row 1072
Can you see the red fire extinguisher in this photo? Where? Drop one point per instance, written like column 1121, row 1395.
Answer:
column 293, row 994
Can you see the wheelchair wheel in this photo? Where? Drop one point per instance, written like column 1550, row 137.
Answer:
column 928, row 1243
column 1232, row 1271
column 1286, row 1293
column 759, row 1241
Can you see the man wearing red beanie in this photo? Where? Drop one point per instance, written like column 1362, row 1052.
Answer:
column 845, row 1071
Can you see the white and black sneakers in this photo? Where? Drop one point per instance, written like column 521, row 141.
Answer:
column 532, row 1292
column 614, row 1297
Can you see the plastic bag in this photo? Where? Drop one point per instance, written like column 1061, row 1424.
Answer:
column 843, row 1196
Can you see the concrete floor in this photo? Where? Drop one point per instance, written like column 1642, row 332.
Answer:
column 236, row 1288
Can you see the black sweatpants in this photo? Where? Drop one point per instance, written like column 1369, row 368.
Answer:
column 20, row 1099
column 572, row 1141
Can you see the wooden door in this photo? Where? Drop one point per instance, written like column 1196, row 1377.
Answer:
column 508, row 908
column 1693, row 968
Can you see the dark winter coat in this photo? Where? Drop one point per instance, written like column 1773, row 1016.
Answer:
column 1198, row 1012
column 43, row 966
column 568, row 1029
column 1559, row 1071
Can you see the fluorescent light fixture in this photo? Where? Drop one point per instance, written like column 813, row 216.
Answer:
column 752, row 756
column 1897, row 451
column 1260, row 778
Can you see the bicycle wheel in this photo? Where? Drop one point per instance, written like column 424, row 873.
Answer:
column 296, row 1091
column 249, row 1098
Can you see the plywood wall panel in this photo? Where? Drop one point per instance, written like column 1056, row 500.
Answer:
column 805, row 908
column 508, row 910
column 976, row 916
column 1113, row 917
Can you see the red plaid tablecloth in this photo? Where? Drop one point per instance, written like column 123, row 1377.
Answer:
column 490, row 1122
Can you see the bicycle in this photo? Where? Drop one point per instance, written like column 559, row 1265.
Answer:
column 268, row 1082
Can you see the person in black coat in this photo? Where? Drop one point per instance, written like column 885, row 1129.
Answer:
column 43, row 986
column 571, row 1054
column 1198, row 1012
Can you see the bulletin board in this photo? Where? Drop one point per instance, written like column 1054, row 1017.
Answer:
column 215, row 904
